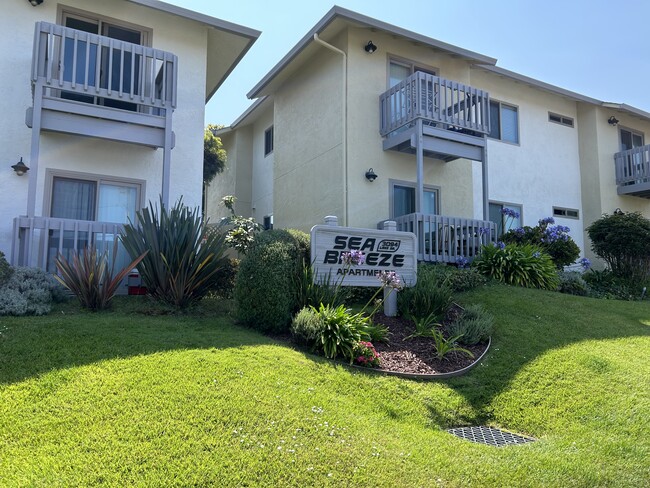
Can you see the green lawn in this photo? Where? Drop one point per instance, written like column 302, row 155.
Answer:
column 129, row 399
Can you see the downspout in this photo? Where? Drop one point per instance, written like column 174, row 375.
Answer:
column 345, row 123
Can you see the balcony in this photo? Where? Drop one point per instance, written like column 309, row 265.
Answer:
column 633, row 172
column 447, row 239
column 454, row 117
column 98, row 86
column 38, row 240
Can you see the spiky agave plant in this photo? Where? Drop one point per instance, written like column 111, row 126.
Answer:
column 184, row 259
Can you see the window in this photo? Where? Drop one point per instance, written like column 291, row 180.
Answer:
column 506, row 216
column 630, row 139
column 504, row 122
column 569, row 213
column 403, row 199
column 398, row 71
column 117, row 65
column 268, row 222
column 268, row 141
column 560, row 119
column 88, row 197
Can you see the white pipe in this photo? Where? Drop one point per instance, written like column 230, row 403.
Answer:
column 345, row 123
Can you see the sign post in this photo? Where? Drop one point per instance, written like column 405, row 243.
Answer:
column 386, row 250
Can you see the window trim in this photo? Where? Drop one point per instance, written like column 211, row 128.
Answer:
column 51, row 173
column 63, row 11
column 408, row 63
column 566, row 216
column 268, row 131
column 633, row 132
column 500, row 139
column 268, row 218
column 564, row 120
column 409, row 184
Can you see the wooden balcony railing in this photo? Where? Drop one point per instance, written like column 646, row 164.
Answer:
column 446, row 239
column 38, row 240
column 77, row 65
column 438, row 101
column 633, row 165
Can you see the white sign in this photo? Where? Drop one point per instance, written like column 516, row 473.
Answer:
column 383, row 251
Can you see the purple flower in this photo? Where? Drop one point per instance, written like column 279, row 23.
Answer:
column 484, row 230
column 389, row 279
column 462, row 262
column 353, row 258
column 508, row 212
column 556, row 233
column 537, row 254
column 585, row 263
column 519, row 231
column 499, row 244
column 547, row 221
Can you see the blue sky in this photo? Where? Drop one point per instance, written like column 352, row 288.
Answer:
column 600, row 48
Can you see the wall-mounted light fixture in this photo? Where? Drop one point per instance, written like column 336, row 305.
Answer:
column 612, row 120
column 20, row 168
column 371, row 175
column 369, row 48
column 35, row 3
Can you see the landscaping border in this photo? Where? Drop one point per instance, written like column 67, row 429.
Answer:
column 423, row 376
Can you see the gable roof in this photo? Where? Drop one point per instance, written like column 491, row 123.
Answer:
column 226, row 46
column 334, row 21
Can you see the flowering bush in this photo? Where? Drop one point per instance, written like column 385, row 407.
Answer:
column 240, row 235
column 554, row 240
column 520, row 265
column 365, row 354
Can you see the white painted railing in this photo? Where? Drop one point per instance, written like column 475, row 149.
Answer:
column 437, row 100
column 72, row 63
column 633, row 166
column 446, row 239
column 38, row 240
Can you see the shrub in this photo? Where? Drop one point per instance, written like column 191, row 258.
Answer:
column 431, row 296
column 226, row 277
column 307, row 326
column 605, row 284
column 622, row 240
column 5, row 270
column 520, row 265
column 184, row 260
column 266, row 286
column 309, row 293
column 29, row 291
column 572, row 283
column 554, row 240
column 459, row 278
column 89, row 277
column 472, row 326
column 340, row 332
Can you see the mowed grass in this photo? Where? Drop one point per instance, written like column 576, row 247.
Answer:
column 129, row 399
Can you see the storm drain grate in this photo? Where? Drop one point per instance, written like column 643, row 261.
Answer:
column 489, row 436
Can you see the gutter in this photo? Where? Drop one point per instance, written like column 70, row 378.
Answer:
column 344, row 124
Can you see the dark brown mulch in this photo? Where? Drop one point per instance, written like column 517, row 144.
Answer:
column 415, row 355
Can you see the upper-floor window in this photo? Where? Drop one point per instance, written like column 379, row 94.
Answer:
column 268, row 141
column 399, row 70
column 504, row 122
column 560, row 119
column 630, row 139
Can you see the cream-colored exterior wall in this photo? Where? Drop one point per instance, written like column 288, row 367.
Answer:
column 262, row 171
column 184, row 38
column 367, row 79
column 308, row 149
column 543, row 170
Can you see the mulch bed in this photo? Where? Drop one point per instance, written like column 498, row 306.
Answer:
column 415, row 355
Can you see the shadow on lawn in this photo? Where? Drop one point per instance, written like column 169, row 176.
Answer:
column 30, row 346
column 528, row 325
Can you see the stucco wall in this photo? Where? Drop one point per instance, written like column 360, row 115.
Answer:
column 308, row 173
column 262, row 173
column 543, row 170
column 184, row 38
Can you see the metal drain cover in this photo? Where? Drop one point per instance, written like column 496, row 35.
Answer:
column 489, row 436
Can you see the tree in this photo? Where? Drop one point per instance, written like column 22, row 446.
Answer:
column 214, row 155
